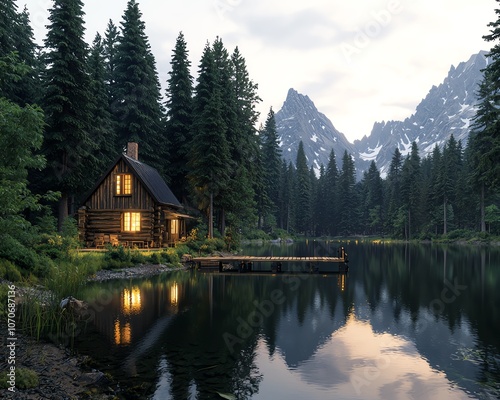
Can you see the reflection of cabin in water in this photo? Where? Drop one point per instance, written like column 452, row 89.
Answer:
column 131, row 205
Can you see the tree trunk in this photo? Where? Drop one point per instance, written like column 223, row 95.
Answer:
column 481, row 206
column 287, row 218
column 409, row 224
column 222, row 222
column 445, row 227
column 62, row 210
column 211, row 217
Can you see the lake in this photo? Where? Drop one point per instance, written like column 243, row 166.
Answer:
column 406, row 322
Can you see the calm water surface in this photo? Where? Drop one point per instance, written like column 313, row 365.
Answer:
column 406, row 322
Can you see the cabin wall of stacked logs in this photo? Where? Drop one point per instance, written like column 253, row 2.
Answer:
column 102, row 213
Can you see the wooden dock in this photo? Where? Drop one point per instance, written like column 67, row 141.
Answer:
column 227, row 259
column 246, row 263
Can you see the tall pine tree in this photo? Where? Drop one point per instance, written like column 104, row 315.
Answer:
column 210, row 158
column 137, row 108
column 271, row 159
column 67, row 101
column 348, row 198
column 331, row 193
column 411, row 192
column 179, row 105
column 17, row 42
column 303, row 193
column 102, row 128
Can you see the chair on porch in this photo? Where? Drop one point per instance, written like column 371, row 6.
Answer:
column 113, row 239
column 99, row 240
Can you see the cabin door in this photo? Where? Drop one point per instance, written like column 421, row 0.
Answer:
column 173, row 229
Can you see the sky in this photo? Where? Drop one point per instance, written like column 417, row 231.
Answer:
column 359, row 61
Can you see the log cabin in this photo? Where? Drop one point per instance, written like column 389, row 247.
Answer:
column 131, row 205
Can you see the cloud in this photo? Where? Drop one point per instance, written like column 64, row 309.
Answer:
column 398, row 48
column 305, row 30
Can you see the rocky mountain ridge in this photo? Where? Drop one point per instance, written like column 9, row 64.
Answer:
column 447, row 109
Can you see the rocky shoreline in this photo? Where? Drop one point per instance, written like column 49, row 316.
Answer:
column 139, row 271
column 61, row 375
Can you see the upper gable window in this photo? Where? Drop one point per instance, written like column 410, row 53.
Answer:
column 123, row 186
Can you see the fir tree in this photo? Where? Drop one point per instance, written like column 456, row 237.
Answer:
column 209, row 159
column 411, row 192
column 449, row 172
column 484, row 140
column 348, row 198
column 17, row 40
column 434, row 200
column 271, row 158
column 102, row 132
column 373, row 200
column 331, row 193
column 321, row 208
column 8, row 21
column 179, row 106
column 67, row 100
column 246, row 142
column 303, row 191
column 109, row 45
column 137, row 109
column 230, row 194
column 394, row 191
column 290, row 197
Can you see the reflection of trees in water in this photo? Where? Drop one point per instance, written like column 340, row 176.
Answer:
column 448, row 283
column 246, row 375
column 195, row 349
column 394, row 279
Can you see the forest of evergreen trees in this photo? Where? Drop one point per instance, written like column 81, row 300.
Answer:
column 68, row 109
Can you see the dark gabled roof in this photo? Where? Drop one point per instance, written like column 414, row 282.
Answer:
column 153, row 182
column 149, row 177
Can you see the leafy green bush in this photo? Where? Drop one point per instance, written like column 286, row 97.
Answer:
column 51, row 246
column 155, row 258
column 9, row 271
column 211, row 245
column 182, row 249
column 171, row 256
column 257, row 234
column 60, row 245
column 460, row 234
column 13, row 250
column 117, row 257
column 136, row 257
column 483, row 236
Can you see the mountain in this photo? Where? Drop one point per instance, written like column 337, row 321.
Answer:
column 299, row 119
column 447, row 109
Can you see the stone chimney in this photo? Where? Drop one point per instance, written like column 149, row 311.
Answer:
column 133, row 150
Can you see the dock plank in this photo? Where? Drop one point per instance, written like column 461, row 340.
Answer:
column 241, row 258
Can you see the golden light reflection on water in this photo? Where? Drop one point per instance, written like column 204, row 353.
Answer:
column 123, row 333
column 174, row 294
column 131, row 301
column 341, row 282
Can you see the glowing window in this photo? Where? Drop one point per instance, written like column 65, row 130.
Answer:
column 123, row 184
column 131, row 222
column 174, row 226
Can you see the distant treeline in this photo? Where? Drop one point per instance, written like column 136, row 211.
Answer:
column 68, row 110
